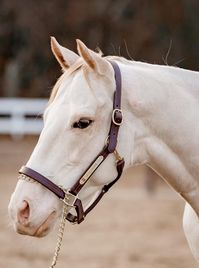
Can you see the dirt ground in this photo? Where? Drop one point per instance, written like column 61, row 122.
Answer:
column 129, row 228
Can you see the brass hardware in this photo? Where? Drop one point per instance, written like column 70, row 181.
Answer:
column 113, row 117
column 90, row 171
column 107, row 140
column 69, row 199
column 117, row 155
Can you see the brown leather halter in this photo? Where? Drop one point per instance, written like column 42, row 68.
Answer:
column 70, row 196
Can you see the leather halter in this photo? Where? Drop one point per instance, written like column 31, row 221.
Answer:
column 70, row 197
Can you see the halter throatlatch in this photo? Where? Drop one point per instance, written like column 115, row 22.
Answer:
column 70, row 197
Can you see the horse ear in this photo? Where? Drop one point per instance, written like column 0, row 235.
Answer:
column 64, row 56
column 93, row 59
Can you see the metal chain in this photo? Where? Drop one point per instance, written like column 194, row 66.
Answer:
column 26, row 178
column 60, row 235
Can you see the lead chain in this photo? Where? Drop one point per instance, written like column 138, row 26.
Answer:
column 60, row 234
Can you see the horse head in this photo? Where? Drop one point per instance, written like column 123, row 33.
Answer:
column 76, row 127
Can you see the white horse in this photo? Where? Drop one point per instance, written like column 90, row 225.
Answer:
column 160, row 129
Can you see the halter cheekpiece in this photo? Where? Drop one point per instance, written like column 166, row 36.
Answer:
column 70, row 196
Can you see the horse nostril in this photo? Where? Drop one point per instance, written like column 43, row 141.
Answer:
column 23, row 213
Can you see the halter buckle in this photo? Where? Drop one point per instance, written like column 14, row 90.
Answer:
column 117, row 117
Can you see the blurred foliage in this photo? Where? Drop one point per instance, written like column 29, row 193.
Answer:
column 156, row 31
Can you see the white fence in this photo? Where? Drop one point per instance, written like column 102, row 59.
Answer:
column 20, row 116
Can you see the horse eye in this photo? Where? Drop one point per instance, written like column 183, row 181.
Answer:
column 82, row 123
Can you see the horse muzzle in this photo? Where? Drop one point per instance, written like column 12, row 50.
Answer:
column 37, row 231
column 25, row 224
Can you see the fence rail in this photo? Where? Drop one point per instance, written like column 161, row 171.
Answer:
column 21, row 116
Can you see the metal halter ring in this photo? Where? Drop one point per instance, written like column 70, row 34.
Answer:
column 117, row 155
column 115, row 117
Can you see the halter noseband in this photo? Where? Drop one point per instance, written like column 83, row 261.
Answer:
column 70, row 197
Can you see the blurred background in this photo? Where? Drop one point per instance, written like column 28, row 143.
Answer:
column 154, row 31
column 138, row 224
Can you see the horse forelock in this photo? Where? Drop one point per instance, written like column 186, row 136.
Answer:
column 76, row 66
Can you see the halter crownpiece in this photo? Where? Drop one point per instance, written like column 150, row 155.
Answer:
column 70, row 196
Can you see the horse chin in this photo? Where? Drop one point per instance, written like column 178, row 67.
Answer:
column 40, row 231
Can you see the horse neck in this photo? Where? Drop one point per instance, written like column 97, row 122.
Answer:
column 162, row 100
